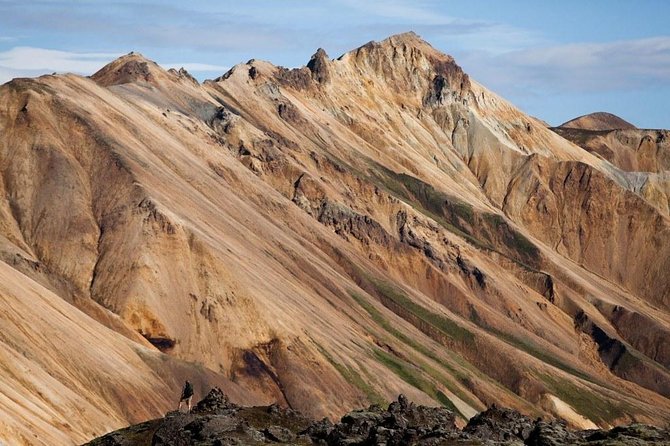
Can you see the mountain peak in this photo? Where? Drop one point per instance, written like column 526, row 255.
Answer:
column 408, row 63
column 598, row 121
column 408, row 39
column 318, row 65
column 132, row 67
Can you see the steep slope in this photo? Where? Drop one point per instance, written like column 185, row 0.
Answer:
column 598, row 121
column 630, row 150
column 337, row 234
column 65, row 378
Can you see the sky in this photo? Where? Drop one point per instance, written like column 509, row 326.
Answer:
column 554, row 60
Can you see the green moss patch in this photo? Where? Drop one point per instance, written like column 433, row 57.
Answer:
column 415, row 346
column 352, row 376
column 482, row 229
column 412, row 376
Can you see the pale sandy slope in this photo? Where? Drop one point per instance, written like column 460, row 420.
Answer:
column 65, row 378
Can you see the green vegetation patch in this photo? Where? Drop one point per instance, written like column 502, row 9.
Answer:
column 518, row 243
column 352, row 376
column 415, row 346
column 482, row 229
column 394, row 296
column 451, row 213
column 412, row 376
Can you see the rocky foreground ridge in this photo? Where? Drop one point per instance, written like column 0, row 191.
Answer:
column 217, row 421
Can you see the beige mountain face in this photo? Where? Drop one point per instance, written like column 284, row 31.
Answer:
column 323, row 237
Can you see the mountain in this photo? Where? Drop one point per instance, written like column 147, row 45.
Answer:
column 631, row 150
column 322, row 237
column 598, row 121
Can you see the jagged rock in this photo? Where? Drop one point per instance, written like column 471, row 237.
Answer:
column 554, row 433
column 171, row 431
column 401, row 424
column 346, row 221
column 356, row 426
column 182, row 73
column 297, row 78
column 279, row 434
column 215, row 402
column 318, row 65
column 634, row 434
column 223, row 120
column 289, row 112
column 319, row 431
column 405, row 415
column 499, row 424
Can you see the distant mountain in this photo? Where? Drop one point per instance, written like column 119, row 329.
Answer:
column 322, row 237
column 598, row 121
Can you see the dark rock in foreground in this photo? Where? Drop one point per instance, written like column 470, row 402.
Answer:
column 216, row 421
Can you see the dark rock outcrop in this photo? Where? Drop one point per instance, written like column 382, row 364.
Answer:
column 216, row 402
column 499, row 424
column 318, row 65
column 217, row 421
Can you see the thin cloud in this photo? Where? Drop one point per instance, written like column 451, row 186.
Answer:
column 158, row 25
column 36, row 59
column 457, row 32
column 30, row 61
column 415, row 11
column 579, row 67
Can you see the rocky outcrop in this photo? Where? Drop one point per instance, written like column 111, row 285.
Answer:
column 402, row 424
column 624, row 361
column 319, row 66
column 499, row 424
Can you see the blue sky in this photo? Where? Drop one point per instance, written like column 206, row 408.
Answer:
column 555, row 60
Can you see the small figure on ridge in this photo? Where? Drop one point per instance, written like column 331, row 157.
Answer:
column 186, row 396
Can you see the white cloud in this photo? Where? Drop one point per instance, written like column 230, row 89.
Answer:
column 28, row 59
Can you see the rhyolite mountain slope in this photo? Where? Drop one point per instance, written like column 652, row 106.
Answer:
column 630, row 149
column 322, row 237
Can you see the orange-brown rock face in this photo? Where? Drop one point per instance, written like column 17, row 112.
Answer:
column 322, row 237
